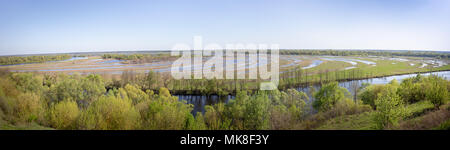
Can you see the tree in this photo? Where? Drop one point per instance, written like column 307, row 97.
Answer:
column 66, row 88
column 328, row 96
column 411, row 89
column 110, row 113
column 64, row 114
column 134, row 93
column 26, row 82
column 256, row 114
column 390, row 108
column 151, row 79
column 436, row 90
column 166, row 112
column 27, row 107
column 93, row 87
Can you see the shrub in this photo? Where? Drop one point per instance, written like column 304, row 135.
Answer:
column 390, row 108
column 280, row 118
column 93, row 87
column 83, row 91
column 134, row 93
column 166, row 112
column 27, row 107
column 63, row 114
column 370, row 94
column 26, row 82
column 328, row 96
column 215, row 118
column 199, row 123
column 256, row 114
column 110, row 113
column 411, row 89
column 436, row 90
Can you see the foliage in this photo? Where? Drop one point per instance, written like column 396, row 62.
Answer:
column 436, row 90
column 82, row 102
column 390, row 108
column 110, row 113
column 431, row 88
column 166, row 112
column 27, row 108
column 83, row 90
column 26, row 82
column 64, row 114
column 11, row 60
column 371, row 92
column 328, row 96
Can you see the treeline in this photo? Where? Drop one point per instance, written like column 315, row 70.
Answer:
column 11, row 60
column 297, row 77
column 140, row 58
column 86, row 102
column 364, row 53
column 305, row 77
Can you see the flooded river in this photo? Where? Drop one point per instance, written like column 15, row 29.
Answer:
column 199, row 101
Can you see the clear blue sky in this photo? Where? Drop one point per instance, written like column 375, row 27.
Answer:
column 53, row 26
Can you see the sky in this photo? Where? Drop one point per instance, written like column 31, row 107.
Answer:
column 60, row 26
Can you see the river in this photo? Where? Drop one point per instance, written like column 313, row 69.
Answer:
column 199, row 102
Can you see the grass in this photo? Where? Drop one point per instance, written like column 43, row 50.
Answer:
column 4, row 125
column 361, row 121
column 364, row 120
column 438, row 119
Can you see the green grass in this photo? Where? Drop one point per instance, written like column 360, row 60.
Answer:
column 361, row 121
column 419, row 108
column 364, row 120
column 4, row 125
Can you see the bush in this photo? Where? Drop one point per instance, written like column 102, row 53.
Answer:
column 64, row 114
column 370, row 94
column 93, row 87
column 27, row 107
column 110, row 113
column 436, row 90
column 390, row 108
column 26, row 82
column 166, row 112
column 280, row 118
column 134, row 93
column 199, row 123
column 256, row 114
column 328, row 96
column 411, row 90
column 215, row 118
column 8, row 95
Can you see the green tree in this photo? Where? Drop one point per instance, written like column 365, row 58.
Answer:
column 390, row 108
column 27, row 107
column 256, row 114
column 166, row 112
column 64, row 114
column 436, row 90
column 110, row 113
column 26, row 82
column 328, row 96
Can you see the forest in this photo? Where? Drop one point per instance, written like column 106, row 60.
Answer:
column 365, row 53
column 12, row 60
column 60, row 101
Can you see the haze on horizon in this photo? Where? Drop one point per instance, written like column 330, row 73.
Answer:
column 62, row 26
